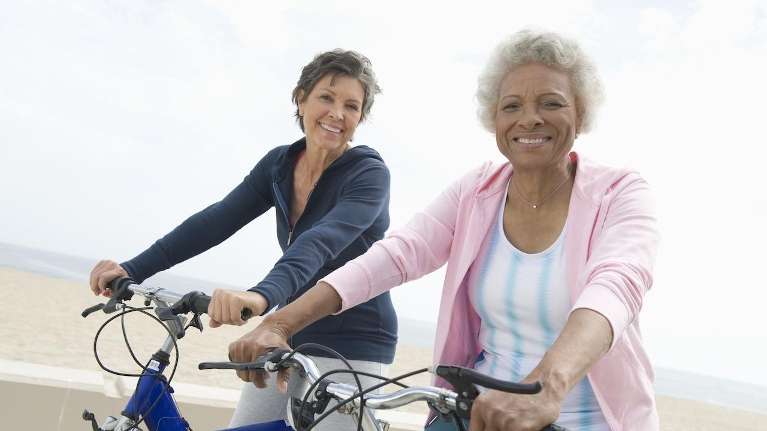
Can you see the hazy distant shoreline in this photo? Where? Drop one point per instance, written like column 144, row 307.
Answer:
column 669, row 382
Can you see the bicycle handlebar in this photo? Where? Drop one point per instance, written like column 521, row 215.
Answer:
column 442, row 399
column 171, row 306
column 459, row 376
column 172, row 303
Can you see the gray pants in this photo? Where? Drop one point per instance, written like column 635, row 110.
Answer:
column 265, row 405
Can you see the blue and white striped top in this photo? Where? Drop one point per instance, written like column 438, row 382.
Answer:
column 523, row 302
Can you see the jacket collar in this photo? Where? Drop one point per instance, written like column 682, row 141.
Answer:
column 286, row 164
column 589, row 178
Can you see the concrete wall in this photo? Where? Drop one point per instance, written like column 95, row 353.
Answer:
column 38, row 397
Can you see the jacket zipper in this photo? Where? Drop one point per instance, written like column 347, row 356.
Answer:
column 290, row 232
column 283, row 208
column 287, row 216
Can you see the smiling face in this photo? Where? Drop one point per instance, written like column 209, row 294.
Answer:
column 536, row 119
column 332, row 111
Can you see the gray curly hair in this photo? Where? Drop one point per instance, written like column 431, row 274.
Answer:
column 337, row 62
column 551, row 49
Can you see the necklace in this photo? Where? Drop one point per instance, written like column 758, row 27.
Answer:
column 535, row 205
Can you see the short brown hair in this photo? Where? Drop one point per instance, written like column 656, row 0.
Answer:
column 337, row 62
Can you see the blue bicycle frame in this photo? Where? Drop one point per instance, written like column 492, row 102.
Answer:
column 153, row 401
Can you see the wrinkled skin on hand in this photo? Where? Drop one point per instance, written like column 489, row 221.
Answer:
column 501, row 411
column 254, row 344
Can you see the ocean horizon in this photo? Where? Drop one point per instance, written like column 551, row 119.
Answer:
column 672, row 382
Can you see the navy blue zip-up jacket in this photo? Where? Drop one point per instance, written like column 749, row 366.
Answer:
column 347, row 211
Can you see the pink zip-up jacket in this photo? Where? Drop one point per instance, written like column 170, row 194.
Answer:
column 610, row 248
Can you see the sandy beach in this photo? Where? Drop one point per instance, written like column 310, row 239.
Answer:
column 42, row 325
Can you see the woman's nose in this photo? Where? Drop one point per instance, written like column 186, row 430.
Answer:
column 530, row 119
column 337, row 113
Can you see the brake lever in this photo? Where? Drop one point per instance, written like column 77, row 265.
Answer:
column 166, row 314
column 192, row 302
column 271, row 357
column 196, row 322
column 467, row 391
column 459, row 377
column 462, row 374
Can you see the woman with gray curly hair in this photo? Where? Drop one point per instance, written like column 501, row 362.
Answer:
column 549, row 256
column 331, row 202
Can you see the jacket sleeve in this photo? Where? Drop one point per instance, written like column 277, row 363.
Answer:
column 209, row 227
column 361, row 201
column 407, row 253
column 620, row 266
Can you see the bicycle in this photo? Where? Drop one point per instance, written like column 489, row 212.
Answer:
column 153, row 405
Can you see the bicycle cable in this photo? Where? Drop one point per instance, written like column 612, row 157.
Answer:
column 320, row 347
column 127, row 343
column 121, row 315
column 385, row 381
column 458, row 422
column 165, row 383
column 354, row 373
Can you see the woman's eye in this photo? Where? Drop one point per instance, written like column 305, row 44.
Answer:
column 326, row 97
column 354, row 108
column 553, row 104
column 511, row 107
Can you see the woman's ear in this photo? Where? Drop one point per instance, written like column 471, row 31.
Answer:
column 301, row 101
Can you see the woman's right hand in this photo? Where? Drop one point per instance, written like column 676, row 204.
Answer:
column 276, row 328
column 104, row 272
column 226, row 306
column 255, row 343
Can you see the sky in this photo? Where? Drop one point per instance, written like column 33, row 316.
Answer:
column 118, row 119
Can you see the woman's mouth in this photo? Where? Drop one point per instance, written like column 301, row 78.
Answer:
column 330, row 128
column 539, row 140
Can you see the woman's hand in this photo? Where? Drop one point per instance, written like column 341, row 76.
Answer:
column 275, row 330
column 584, row 339
column 501, row 411
column 104, row 272
column 226, row 306
column 255, row 343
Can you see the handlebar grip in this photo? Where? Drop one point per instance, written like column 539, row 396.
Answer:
column 198, row 302
column 119, row 282
column 120, row 292
column 112, row 285
column 273, row 356
column 201, row 301
column 466, row 375
column 90, row 310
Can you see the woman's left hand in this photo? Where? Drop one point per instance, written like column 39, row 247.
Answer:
column 501, row 411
